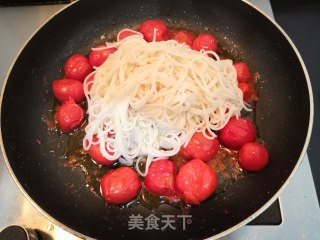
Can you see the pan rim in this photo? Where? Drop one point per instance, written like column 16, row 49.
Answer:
column 4, row 154
column 307, row 140
column 222, row 234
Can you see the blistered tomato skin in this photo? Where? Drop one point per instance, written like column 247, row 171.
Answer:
column 96, row 155
column 77, row 67
column 64, row 89
column 206, row 42
column 184, row 36
column 243, row 72
column 195, row 182
column 69, row 116
column 98, row 57
column 161, row 177
column 148, row 27
column 237, row 132
column 200, row 147
column 120, row 185
column 253, row 156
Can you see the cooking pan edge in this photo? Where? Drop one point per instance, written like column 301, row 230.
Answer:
column 311, row 117
column 23, row 191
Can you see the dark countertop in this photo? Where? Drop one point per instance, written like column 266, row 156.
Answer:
column 301, row 21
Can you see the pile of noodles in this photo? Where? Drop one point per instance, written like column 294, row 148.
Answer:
column 148, row 98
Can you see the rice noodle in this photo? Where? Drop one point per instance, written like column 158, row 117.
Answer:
column 148, row 99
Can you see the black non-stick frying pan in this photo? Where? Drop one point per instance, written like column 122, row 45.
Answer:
column 283, row 115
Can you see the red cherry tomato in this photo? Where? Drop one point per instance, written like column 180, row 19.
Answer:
column 64, row 89
column 200, row 147
column 98, row 57
column 243, row 72
column 77, row 67
column 237, row 132
column 246, row 90
column 120, row 185
column 148, row 27
column 126, row 33
column 195, row 182
column 206, row 42
column 69, row 116
column 160, row 178
column 96, row 155
column 184, row 36
column 253, row 156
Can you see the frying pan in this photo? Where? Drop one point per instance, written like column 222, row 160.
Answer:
column 283, row 115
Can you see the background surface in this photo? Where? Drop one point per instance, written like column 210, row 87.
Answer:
column 301, row 21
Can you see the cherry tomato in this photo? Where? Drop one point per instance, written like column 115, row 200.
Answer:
column 126, row 33
column 77, row 67
column 253, row 156
column 246, row 90
column 200, row 147
column 64, row 89
column 148, row 27
column 96, row 155
column 69, row 116
column 206, row 42
column 243, row 72
column 160, row 178
column 120, row 185
column 98, row 57
column 184, row 36
column 195, row 182
column 237, row 132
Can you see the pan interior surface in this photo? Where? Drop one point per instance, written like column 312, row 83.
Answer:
column 34, row 153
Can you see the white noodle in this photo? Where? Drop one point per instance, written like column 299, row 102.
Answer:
column 128, row 30
column 154, row 96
